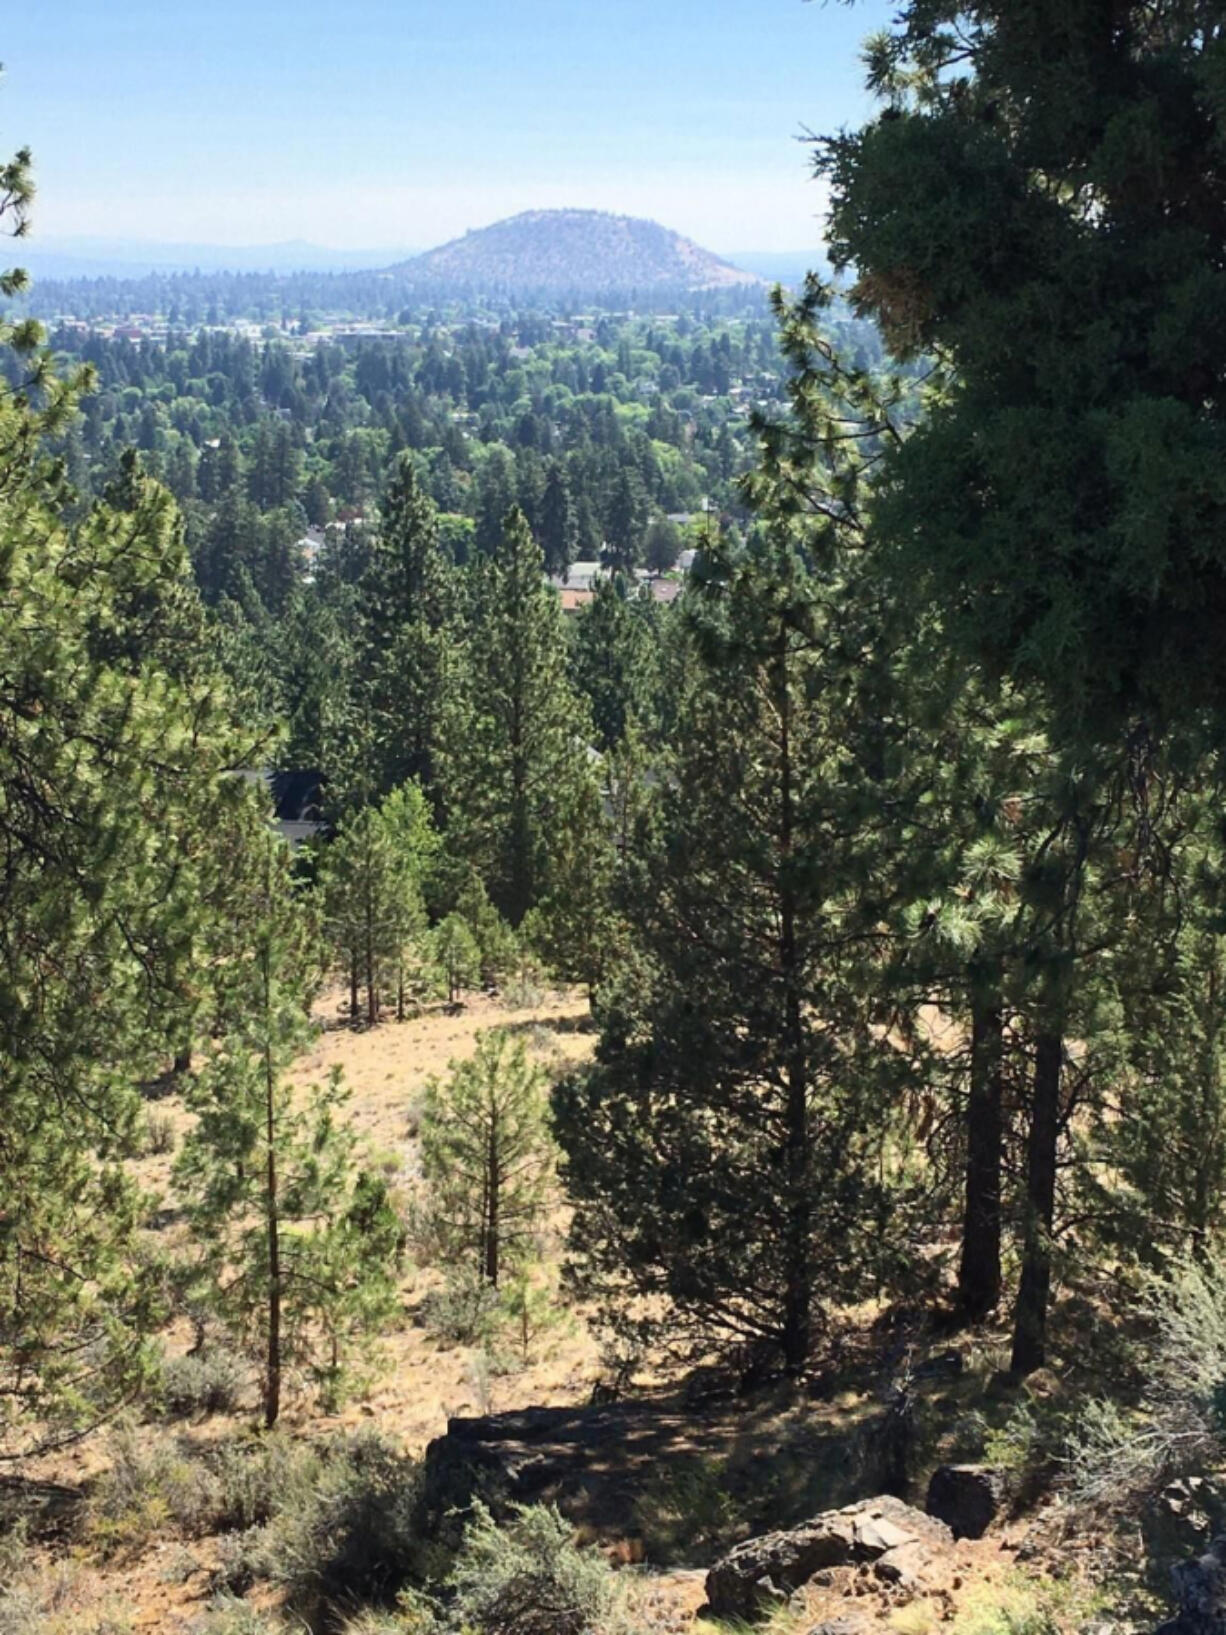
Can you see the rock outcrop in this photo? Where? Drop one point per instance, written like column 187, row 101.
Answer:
column 767, row 1570
column 1200, row 1589
column 967, row 1498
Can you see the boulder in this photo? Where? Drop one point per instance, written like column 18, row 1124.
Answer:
column 1180, row 1522
column 1200, row 1589
column 767, row 1570
column 967, row 1498
column 903, row 1567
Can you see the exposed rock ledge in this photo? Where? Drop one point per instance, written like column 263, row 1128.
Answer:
column 898, row 1539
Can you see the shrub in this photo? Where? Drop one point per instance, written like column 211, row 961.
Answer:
column 526, row 985
column 463, row 1312
column 239, row 1561
column 351, row 1534
column 152, row 1485
column 58, row 1599
column 258, row 1476
column 530, row 1578
column 1115, row 1453
column 230, row 1616
column 202, row 1383
column 687, row 1513
column 158, row 1136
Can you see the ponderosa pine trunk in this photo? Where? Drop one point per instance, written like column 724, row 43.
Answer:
column 979, row 1273
column 1034, row 1288
column 372, row 986
column 798, row 1291
column 493, row 1184
column 1208, row 1153
column 355, row 1007
column 272, row 1383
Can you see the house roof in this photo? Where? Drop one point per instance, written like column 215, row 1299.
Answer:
column 297, row 800
column 573, row 598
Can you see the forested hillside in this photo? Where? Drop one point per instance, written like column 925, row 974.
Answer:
column 611, row 941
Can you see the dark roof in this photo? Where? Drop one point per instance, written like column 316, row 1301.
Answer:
column 296, row 796
column 297, row 801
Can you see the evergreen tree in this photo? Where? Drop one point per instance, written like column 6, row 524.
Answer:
column 558, row 531
column 487, row 1157
column 615, row 659
column 721, row 1154
column 457, row 954
column 515, row 745
column 372, row 897
column 626, row 522
column 296, row 1244
column 111, row 786
column 1040, row 206
column 407, row 609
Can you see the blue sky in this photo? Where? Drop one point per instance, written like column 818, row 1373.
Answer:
column 356, row 123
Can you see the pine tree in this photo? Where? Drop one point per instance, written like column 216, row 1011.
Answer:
column 372, row 899
column 720, row 1155
column 487, row 1157
column 113, row 746
column 516, row 741
column 407, row 609
column 615, row 660
column 626, row 522
column 1039, row 205
column 558, row 532
column 296, row 1245
column 111, row 786
column 458, row 955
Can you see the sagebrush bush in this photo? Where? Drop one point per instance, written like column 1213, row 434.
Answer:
column 158, row 1483
column 465, row 1311
column 228, row 1615
column 153, row 1485
column 351, row 1534
column 203, row 1383
column 529, row 1577
column 257, row 1476
column 1180, row 1426
column 158, row 1134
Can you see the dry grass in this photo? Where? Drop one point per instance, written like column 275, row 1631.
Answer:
column 417, row 1383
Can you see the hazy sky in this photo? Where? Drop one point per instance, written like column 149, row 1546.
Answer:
column 404, row 122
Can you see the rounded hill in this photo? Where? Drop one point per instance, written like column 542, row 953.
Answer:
column 574, row 250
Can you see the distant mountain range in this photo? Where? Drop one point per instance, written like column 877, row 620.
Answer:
column 573, row 250
column 137, row 258
column 540, row 253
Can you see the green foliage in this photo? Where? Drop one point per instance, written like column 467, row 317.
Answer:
column 515, row 742
column 615, row 658
column 201, row 1383
column 114, row 744
column 295, row 1243
column 351, row 1535
column 497, row 946
column 466, row 1309
column 687, row 1512
column 722, row 1153
column 151, row 1485
column 372, row 897
column 1021, row 208
column 529, row 1578
column 457, row 954
column 487, row 1158
column 1178, row 1427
